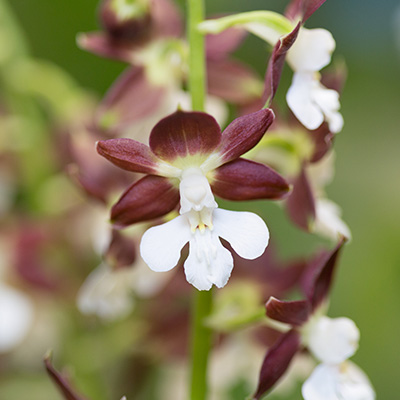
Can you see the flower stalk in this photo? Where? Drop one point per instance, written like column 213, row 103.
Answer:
column 201, row 335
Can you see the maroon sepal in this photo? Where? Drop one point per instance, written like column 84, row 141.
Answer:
column 28, row 260
column 276, row 63
column 125, row 28
column 95, row 175
column 244, row 133
column 277, row 361
column 102, row 45
column 128, row 154
column 295, row 313
column 233, row 81
column 149, row 198
column 323, row 141
column 219, row 46
column 182, row 134
column 61, row 382
column 300, row 204
column 318, row 277
column 131, row 98
column 302, row 9
column 248, row 180
column 121, row 251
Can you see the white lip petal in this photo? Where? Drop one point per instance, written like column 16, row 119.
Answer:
column 16, row 317
column 106, row 293
column 333, row 340
column 208, row 263
column 161, row 245
column 338, row 382
column 312, row 50
column 312, row 102
column 246, row 232
column 300, row 100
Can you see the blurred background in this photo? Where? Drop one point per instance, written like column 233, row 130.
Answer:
column 366, row 184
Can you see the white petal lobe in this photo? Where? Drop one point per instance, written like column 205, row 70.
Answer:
column 312, row 50
column 208, row 263
column 161, row 245
column 16, row 317
column 338, row 382
column 246, row 232
column 333, row 340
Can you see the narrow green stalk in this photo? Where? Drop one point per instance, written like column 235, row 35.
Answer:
column 197, row 68
column 202, row 301
column 201, row 344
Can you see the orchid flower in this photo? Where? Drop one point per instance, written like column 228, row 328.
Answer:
column 331, row 341
column 307, row 51
column 189, row 160
column 310, row 101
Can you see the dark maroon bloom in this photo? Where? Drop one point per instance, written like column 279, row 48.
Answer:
column 317, row 281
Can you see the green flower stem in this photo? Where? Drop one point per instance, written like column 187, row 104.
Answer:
column 201, row 335
column 201, row 344
column 268, row 25
column 197, row 67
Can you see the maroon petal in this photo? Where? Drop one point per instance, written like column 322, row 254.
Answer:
column 131, row 98
column 121, row 252
column 128, row 154
column 102, row 45
column 276, row 63
column 244, row 133
column 233, row 81
column 302, row 9
column 295, row 313
column 149, row 198
column 277, row 361
column 247, row 180
column 219, row 46
column 318, row 277
column 301, row 205
column 61, row 382
column 323, row 141
column 183, row 134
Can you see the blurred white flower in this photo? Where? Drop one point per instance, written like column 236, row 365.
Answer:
column 16, row 317
column 110, row 294
column 333, row 341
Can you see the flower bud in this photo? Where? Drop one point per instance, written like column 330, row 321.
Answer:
column 125, row 19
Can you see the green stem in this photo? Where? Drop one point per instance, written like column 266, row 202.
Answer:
column 201, row 344
column 201, row 335
column 197, row 68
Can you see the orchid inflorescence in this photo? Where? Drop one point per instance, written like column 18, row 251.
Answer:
column 190, row 162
